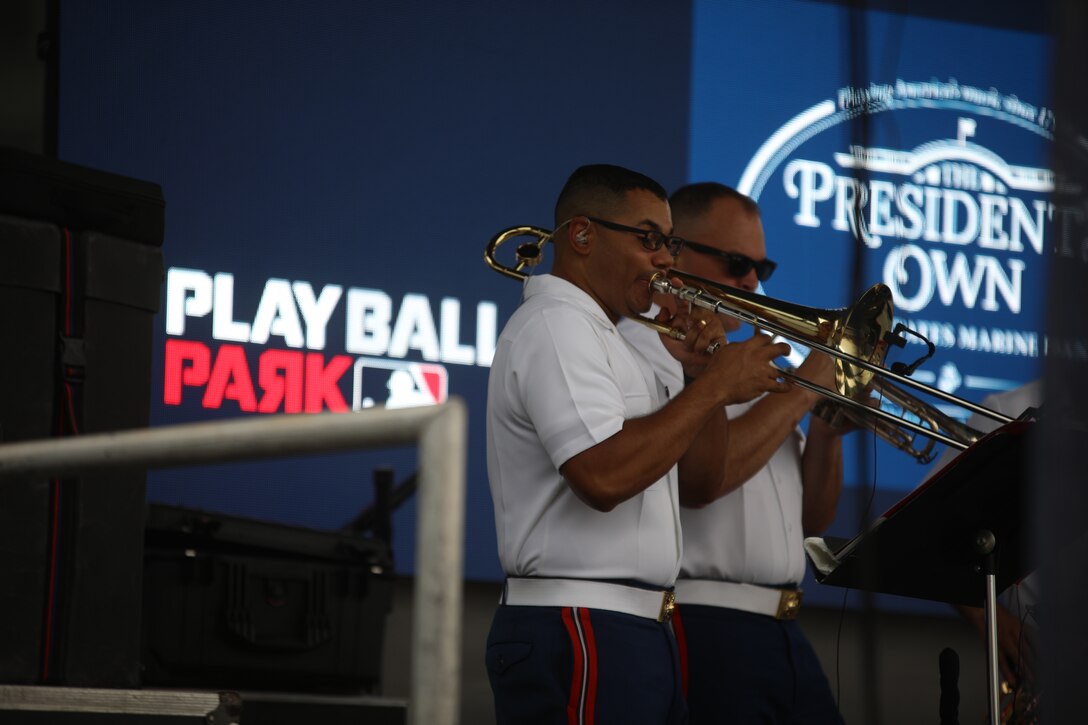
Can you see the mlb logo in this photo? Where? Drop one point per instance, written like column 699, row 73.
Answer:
column 398, row 384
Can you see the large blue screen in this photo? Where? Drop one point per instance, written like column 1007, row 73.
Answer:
column 333, row 171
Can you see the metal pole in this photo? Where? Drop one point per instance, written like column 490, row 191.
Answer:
column 436, row 625
column 991, row 647
column 216, row 442
column 985, row 544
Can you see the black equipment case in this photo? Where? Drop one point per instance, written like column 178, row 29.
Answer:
column 235, row 603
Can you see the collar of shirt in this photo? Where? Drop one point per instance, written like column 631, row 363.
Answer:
column 548, row 285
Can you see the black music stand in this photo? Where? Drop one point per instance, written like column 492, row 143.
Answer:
column 957, row 538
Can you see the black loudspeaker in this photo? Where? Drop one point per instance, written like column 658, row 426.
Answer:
column 80, row 280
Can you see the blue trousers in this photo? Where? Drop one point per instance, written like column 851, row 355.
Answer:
column 751, row 669
column 571, row 666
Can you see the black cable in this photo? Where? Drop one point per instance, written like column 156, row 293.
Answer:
column 866, row 515
column 1022, row 614
column 868, row 609
column 860, row 138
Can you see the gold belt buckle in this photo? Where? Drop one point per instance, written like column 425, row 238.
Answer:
column 789, row 604
column 668, row 603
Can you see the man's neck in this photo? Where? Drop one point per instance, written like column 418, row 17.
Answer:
column 581, row 283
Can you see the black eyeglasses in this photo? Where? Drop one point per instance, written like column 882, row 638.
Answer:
column 739, row 264
column 652, row 240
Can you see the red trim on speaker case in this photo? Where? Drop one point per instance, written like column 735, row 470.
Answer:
column 681, row 647
column 66, row 408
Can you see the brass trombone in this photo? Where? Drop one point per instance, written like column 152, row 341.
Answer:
column 857, row 337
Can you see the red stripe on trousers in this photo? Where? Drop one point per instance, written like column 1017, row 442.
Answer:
column 591, row 650
column 576, row 677
column 681, row 647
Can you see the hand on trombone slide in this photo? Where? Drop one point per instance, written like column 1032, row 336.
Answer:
column 691, row 336
column 736, row 372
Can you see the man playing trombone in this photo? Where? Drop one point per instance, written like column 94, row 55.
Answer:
column 746, row 659
column 588, row 457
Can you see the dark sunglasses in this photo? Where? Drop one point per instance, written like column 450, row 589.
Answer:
column 739, row 264
column 652, row 240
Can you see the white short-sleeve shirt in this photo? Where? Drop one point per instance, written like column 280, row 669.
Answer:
column 752, row 534
column 563, row 379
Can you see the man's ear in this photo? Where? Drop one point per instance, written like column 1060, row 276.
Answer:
column 573, row 239
column 579, row 233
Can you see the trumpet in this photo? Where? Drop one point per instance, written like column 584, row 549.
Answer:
column 857, row 337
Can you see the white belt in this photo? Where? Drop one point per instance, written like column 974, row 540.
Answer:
column 777, row 603
column 648, row 603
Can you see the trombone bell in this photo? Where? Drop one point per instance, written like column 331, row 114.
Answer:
column 862, row 332
column 859, row 332
column 858, row 338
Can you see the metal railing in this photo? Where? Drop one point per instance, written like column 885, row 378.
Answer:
column 441, row 436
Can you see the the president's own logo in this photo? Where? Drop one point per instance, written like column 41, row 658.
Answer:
column 947, row 197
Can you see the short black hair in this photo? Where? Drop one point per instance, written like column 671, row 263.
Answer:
column 595, row 189
column 694, row 200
